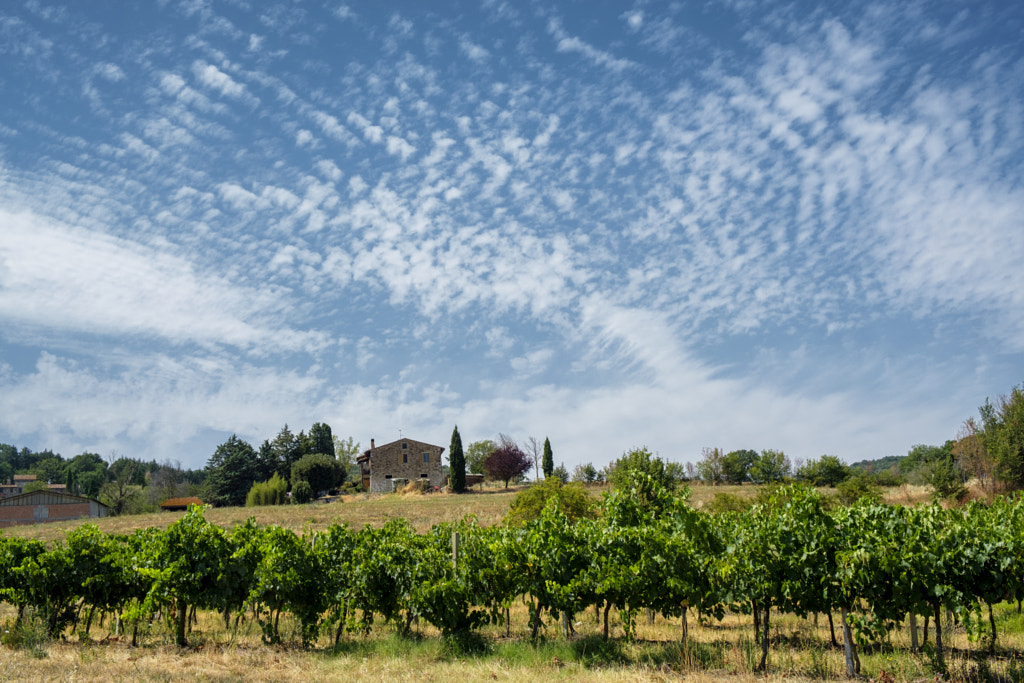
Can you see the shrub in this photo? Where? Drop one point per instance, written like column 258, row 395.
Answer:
column 573, row 501
column 302, row 492
column 728, row 502
column 351, row 487
column 858, row 486
column 274, row 491
column 418, row 486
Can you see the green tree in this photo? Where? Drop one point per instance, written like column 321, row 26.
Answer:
column 622, row 470
column 321, row 471
column 476, row 453
column 346, row 451
column 585, row 474
column 322, row 439
column 266, row 462
column 122, row 464
column 286, row 449
column 457, row 462
column 828, row 470
column 90, row 473
column 711, row 468
column 231, row 472
column 931, row 465
column 37, row 485
column 122, row 495
column 769, row 467
column 50, row 469
column 736, row 466
column 1004, row 436
column 548, row 459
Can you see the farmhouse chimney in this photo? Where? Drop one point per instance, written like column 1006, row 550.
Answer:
column 371, row 444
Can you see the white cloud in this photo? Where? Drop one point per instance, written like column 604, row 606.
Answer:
column 215, row 79
column 111, row 72
column 372, row 133
column 473, row 51
column 332, row 127
column 52, row 284
column 399, row 147
column 152, row 406
column 532, row 363
column 568, row 43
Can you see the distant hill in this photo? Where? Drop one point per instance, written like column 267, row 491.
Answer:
column 889, row 462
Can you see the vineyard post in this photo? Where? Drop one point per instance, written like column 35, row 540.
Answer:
column 913, row 632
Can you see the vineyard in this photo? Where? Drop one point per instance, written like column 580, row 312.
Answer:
column 872, row 572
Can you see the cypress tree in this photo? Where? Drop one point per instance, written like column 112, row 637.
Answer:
column 548, row 463
column 457, row 461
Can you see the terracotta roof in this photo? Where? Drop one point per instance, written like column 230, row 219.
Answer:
column 180, row 502
column 24, row 477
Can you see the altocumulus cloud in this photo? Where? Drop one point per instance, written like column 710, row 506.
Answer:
column 778, row 225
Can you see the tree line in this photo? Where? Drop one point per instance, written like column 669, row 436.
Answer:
column 304, row 465
column 124, row 484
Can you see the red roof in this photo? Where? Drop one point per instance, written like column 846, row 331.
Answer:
column 180, row 502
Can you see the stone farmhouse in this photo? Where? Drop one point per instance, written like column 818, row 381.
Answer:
column 404, row 459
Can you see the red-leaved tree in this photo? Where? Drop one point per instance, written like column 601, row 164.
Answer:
column 507, row 462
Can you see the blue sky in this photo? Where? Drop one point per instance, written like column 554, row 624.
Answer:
column 680, row 225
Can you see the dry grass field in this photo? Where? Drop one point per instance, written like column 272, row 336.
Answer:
column 489, row 504
column 801, row 650
column 722, row 650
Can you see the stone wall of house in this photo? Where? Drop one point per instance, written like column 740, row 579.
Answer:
column 392, row 461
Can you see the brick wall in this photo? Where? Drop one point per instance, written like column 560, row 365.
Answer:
column 32, row 514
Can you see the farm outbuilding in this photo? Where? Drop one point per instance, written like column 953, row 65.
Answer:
column 47, row 506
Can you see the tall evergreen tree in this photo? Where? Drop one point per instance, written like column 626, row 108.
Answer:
column 457, row 461
column 287, row 449
column 548, row 464
column 323, row 439
column 231, row 472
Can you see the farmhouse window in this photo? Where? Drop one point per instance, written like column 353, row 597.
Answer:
column 423, row 476
column 405, row 458
column 387, row 476
column 404, row 446
column 426, row 457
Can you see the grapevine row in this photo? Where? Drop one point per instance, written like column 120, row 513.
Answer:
column 874, row 564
